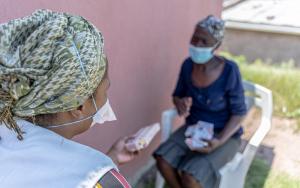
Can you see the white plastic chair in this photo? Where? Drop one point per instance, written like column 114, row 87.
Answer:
column 234, row 173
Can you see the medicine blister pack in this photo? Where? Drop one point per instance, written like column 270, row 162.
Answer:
column 142, row 138
column 198, row 133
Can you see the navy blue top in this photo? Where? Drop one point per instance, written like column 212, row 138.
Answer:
column 217, row 102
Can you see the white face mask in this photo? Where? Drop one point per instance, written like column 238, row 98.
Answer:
column 105, row 113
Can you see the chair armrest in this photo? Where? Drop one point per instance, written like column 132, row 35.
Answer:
column 266, row 104
column 167, row 119
column 261, row 132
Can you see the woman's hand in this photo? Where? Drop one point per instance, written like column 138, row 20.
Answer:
column 183, row 105
column 212, row 145
column 119, row 154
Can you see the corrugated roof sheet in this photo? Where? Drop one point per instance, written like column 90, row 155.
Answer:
column 268, row 12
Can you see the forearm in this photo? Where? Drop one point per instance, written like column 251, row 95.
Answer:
column 232, row 126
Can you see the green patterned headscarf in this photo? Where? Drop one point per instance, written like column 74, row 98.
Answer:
column 49, row 62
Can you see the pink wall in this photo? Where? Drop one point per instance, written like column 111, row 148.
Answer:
column 146, row 42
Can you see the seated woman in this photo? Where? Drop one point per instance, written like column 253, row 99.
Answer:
column 53, row 86
column 209, row 89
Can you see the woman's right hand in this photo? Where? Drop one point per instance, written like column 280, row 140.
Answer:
column 183, row 105
column 119, row 154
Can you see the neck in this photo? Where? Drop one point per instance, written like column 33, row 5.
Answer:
column 62, row 131
column 65, row 132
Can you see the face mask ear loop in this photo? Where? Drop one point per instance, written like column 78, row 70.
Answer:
column 94, row 101
column 84, row 73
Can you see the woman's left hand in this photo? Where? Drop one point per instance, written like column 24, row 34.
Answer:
column 119, row 154
column 212, row 145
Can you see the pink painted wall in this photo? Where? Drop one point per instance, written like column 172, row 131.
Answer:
column 146, row 42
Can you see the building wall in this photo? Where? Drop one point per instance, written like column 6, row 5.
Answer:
column 146, row 42
column 270, row 47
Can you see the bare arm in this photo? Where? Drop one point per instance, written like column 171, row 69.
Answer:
column 232, row 126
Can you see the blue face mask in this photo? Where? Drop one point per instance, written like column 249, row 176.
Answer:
column 201, row 55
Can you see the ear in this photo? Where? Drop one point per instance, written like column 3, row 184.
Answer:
column 79, row 111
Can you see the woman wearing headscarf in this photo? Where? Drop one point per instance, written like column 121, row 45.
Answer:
column 53, row 85
column 209, row 89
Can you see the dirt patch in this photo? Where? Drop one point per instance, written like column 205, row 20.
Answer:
column 281, row 147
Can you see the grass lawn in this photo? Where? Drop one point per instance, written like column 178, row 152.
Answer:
column 260, row 176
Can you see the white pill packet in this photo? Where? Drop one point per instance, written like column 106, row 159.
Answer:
column 196, row 134
column 142, row 138
column 195, row 144
column 204, row 130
